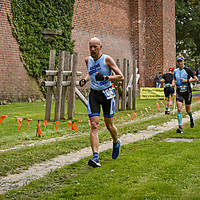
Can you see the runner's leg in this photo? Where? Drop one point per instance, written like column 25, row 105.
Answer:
column 94, row 139
column 111, row 128
column 179, row 112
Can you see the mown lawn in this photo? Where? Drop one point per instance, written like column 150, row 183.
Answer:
column 145, row 170
column 149, row 169
column 36, row 111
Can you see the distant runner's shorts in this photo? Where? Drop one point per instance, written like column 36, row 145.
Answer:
column 169, row 91
column 97, row 98
column 180, row 96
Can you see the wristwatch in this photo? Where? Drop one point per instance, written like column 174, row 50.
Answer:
column 106, row 78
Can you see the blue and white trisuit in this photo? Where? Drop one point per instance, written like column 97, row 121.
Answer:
column 97, row 96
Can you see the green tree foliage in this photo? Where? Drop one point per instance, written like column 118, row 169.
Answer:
column 188, row 31
column 29, row 20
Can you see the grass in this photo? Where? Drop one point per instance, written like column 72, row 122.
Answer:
column 148, row 169
column 10, row 136
column 141, row 172
column 15, row 160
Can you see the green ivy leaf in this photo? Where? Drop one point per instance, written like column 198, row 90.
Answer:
column 30, row 18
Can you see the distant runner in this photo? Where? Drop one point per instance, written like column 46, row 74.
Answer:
column 168, row 90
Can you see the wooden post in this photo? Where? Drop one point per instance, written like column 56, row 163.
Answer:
column 128, row 71
column 124, row 84
column 50, row 89
column 71, row 100
column 67, row 63
column 129, row 97
column 68, row 89
column 81, row 97
column 128, row 89
column 59, row 85
column 116, row 91
column 134, row 91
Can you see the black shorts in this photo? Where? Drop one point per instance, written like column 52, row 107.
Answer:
column 187, row 96
column 97, row 98
column 169, row 91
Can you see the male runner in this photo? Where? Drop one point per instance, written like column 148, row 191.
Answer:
column 168, row 90
column 183, row 76
column 100, row 68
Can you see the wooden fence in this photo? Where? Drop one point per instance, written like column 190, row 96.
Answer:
column 61, row 79
column 129, row 86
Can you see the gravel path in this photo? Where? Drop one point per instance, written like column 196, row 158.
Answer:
column 37, row 171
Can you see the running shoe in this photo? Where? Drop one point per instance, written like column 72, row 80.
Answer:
column 180, row 129
column 192, row 123
column 94, row 162
column 116, row 150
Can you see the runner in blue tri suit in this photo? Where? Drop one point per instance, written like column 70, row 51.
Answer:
column 100, row 68
column 183, row 76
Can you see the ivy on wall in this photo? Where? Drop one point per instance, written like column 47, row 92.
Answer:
column 29, row 20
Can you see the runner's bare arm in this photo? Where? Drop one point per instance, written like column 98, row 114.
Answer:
column 174, row 82
column 162, row 82
column 87, row 78
column 82, row 82
column 118, row 74
column 194, row 79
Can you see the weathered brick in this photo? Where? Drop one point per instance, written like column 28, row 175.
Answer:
column 16, row 84
column 136, row 29
column 144, row 30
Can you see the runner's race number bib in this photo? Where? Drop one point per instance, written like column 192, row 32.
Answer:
column 183, row 88
column 109, row 93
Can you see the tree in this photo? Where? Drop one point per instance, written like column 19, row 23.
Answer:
column 188, row 31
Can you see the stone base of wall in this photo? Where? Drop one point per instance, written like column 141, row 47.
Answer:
column 4, row 100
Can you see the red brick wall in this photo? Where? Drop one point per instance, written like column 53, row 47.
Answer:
column 160, row 38
column 138, row 38
column 144, row 30
column 15, row 83
column 169, row 35
column 154, row 40
column 108, row 20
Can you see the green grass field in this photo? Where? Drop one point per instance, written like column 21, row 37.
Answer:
column 145, row 170
column 148, row 169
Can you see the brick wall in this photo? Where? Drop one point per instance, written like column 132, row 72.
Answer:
column 144, row 30
column 131, row 29
column 110, row 21
column 15, row 83
column 169, row 35
column 138, row 38
column 154, row 40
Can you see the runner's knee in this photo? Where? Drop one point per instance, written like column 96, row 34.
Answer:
column 94, row 125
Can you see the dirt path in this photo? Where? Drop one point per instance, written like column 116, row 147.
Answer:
column 39, row 170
